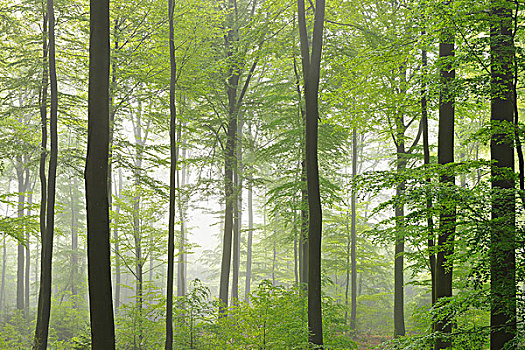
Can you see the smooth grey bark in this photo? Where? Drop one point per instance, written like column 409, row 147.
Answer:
column 399, row 249
column 447, row 217
column 181, row 263
column 426, row 161
column 141, row 135
column 237, row 221
column 96, row 178
column 235, row 99
column 27, row 284
column 311, row 72
column 353, row 311
column 73, row 185
column 116, row 245
column 168, row 344
column 19, row 166
column 503, row 320
column 44, row 297
column 247, row 286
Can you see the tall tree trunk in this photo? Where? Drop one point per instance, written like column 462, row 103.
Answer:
column 181, row 268
column 303, row 239
column 43, row 146
column 140, row 141
column 247, row 286
column 353, row 312
column 21, row 249
column 347, row 264
column 229, row 159
column 447, row 217
column 426, row 161
column 311, row 71
column 96, row 176
column 27, row 284
column 237, row 222
column 503, row 231
column 44, row 297
column 116, row 245
column 399, row 292
column 168, row 345
column 2, row 285
column 74, row 237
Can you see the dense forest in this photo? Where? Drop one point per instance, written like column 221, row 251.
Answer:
column 262, row 174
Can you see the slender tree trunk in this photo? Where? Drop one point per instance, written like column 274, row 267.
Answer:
column 353, row 312
column 27, row 284
column 44, row 297
column 117, row 246
column 303, row 240
column 96, row 176
column 399, row 292
column 347, row 264
column 181, row 264
column 168, row 345
column 43, row 146
column 237, row 222
column 229, row 161
column 503, row 232
column 140, row 141
column 21, row 249
column 426, row 161
column 74, row 237
column 247, row 286
column 447, row 217
column 311, row 71
column 4, row 265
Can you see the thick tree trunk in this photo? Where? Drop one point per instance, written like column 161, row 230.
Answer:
column 503, row 231
column 96, row 176
column 447, row 217
column 311, row 71
column 168, row 345
column 44, row 297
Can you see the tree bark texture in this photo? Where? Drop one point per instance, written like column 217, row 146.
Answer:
column 353, row 311
column 247, row 286
column 426, row 161
column 229, row 158
column 168, row 345
column 503, row 230
column 96, row 177
column 44, row 297
column 311, row 72
column 447, row 217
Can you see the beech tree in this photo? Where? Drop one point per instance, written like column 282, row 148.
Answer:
column 503, row 214
column 96, row 176
column 311, row 64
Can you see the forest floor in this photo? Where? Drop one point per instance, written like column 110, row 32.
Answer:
column 367, row 342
